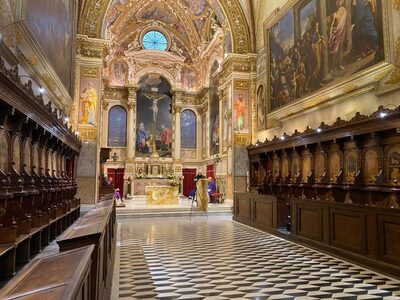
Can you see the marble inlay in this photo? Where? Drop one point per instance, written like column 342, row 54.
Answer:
column 216, row 258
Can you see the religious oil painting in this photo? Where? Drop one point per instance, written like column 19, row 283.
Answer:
column 188, row 129
column 154, row 117
column 394, row 165
column 89, row 98
column 52, row 23
column 118, row 73
column 316, row 44
column 117, row 126
column 214, row 112
column 241, row 110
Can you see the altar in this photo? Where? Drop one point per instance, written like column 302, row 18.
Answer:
column 139, row 185
column 162, row 195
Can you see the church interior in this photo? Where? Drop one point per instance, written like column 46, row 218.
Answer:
column 199, row 149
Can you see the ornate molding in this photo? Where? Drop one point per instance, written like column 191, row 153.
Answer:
column 94, row 13
column 91, row 48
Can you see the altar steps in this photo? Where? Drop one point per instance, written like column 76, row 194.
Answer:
column 124, row 213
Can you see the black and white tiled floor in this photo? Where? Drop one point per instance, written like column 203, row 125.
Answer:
column 216, row 258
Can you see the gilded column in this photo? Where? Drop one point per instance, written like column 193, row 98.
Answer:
column 177, row 100
column 105, row 105
column 131, row 134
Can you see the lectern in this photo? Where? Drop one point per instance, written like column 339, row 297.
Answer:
column 202, row 194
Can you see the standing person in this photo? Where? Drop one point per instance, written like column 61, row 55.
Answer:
column 199, row 175
column 240, row 110
column 212, row 188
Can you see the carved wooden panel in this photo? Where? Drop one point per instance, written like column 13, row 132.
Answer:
column 244, row 208
column 36, row 157
column 55, row 162
column 348, row 230
column 393, row 164
column 389, row 238
column 28, row 156
column 50, row 161
column 296, row 166
column 17, row 153
column 320, row 165
column 351, row 165
column 43, row 156
column 307, row 166
column 371, row 165
column 309, row 222
column 4, row 152
column 276, row 167
column 334, row 164
column 264, row 213
column 285, row 167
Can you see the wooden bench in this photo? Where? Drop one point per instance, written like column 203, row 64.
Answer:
column 62, row 276
column 98, row 228
column 27, row 245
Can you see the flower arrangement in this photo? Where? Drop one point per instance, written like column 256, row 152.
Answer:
column 170, row 175
column 174, row 182
column 139, row 175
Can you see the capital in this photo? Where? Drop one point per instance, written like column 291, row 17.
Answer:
column 105, row 105
column 132, row 105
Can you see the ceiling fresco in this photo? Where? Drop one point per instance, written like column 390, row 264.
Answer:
column 189, row 23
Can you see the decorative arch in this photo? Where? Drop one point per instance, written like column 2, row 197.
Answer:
column 94, row 13
column 155, row 70
column 117, row 124
column 188, row 129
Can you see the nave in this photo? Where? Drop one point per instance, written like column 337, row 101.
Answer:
column 217, row 258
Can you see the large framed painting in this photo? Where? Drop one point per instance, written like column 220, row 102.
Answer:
column 188, row 129
column 56, row 34
column 154, row 117
column 214, row 111
column 316, row 44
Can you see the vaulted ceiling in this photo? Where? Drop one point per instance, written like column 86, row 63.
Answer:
column 189, row 23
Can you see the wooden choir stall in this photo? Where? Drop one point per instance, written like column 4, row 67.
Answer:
column 335, row 188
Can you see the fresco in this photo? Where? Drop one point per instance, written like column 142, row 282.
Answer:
column 117, row 127
column 308, row 52
column 188, row 79
column 196, row 7
column 89, row 92
column 114, row 11
column 158, row 11
column 241, row 110
column 188, row 129
column 154, row 118
column 118, row 73
column 55, row 35
column 214, row 112
column 260, row 108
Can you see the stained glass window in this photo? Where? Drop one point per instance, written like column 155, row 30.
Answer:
column 188, row 129
column 155, row 40
column 117, row 127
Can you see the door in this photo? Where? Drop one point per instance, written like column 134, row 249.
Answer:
column 211, row 171
column 118, row 179
column 188, row 181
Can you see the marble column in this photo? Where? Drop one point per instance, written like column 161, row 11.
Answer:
column 131, row 121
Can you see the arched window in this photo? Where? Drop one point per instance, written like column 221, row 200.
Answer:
column 155, row 40
column 188, row 129
column 117, row 127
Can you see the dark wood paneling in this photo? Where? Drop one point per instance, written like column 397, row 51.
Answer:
column 347, row 230
column 309, row 222
column 244, row 208
column 388, row 238
column 264, row 213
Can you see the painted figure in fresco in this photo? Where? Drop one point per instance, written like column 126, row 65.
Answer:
column 166, row 137
column 318, row 50
column 240, row 112
column 338, row 35
column 142, row 137
column 364, row 27
column 260, row 110
column 215, row 131
column 89, row 101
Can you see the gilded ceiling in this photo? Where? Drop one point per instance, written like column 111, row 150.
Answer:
column 190, row 23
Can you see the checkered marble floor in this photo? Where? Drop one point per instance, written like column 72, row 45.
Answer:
column 216, row 258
